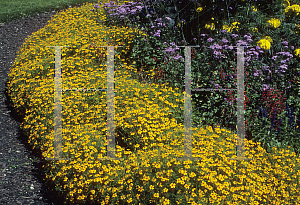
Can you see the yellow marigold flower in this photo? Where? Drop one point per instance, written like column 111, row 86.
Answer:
column 264, row 44
column 292, row 10
column 211, row 26
column 156, row 195
column 254, row 9
column 199, row 9
column 297, row 52
column 235, row 23
column 172, row 185
column 93, row 191
column 274, row 22
column 227, row 28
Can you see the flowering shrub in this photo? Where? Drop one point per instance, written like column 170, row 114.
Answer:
column 148, row 171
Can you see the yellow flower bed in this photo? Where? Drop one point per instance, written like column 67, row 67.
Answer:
column 143, row 118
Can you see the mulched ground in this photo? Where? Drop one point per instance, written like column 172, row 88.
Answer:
column 21, row 176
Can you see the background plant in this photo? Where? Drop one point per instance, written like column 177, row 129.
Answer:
column 262, row 21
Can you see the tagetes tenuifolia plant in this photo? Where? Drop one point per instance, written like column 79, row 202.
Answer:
column 148, row 172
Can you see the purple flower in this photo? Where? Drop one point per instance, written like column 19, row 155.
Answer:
column 202, row 34
column 177, row 57
column 292, row 47
column 283, row 67
column 92, row 10
column 217, row 53
column 266, row 87
column 286, row 47
column 283, row 61
column 210, row 40
column 157, row 33
column 234, row 35
column 240, row 42
column 224, row 40
column 97, row 6
column 230, row 7
column 285, row 43
column 168, row 18
column 222, row 9
column 145, row 39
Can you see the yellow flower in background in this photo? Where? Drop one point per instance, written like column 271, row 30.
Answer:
column 254, row 9
column 264, row 44
column 230, row 28
column 199, row 9
column 180, row 23
column 234, row 25
column 297, row 52
column 292, row 10
column 211, row 26
column 275, row 23
column 227, row 28
column 255, row 30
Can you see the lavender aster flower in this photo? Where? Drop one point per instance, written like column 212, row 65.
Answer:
column 168, row 18
column 283, row 61
column 224, row 40
column 285, row 43
column 210, row 40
